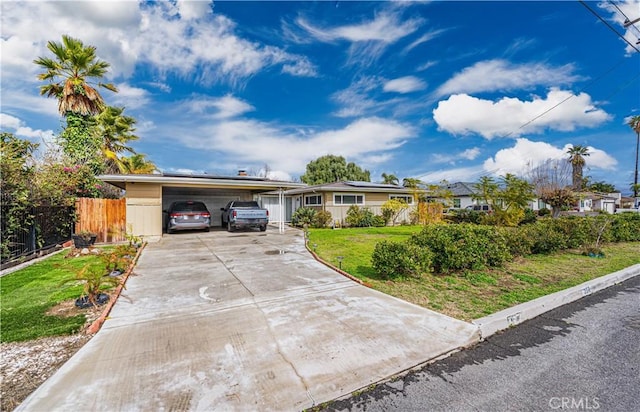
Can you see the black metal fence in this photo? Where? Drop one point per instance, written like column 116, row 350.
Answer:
column 31, row 230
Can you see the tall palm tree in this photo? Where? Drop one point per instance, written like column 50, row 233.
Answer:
column 390, row 179
column 634, row 123
column 115, row 131
column 577, row 153
column 136, row 165
column 69, row 75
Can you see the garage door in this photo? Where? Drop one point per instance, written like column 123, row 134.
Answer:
column 213, row 198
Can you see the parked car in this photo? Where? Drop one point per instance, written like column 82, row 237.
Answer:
column 243, row 214
column 484, row 208
column 188, row 215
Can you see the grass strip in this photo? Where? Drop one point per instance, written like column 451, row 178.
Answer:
column 471, row 294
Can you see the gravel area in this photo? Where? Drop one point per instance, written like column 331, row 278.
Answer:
column 26, row 365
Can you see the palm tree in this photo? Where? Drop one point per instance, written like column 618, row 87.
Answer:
column 577, row 153
column 390, row 179
column 115, row 131
column 634, row 123
column 411, row 182
column 136, row 165
column 69, row 77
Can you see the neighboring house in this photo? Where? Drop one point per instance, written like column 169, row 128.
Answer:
column 596, row 202
column 461, row 194
column 336, row 198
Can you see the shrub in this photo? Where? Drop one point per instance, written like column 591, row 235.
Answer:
column 466, row 216
column 625, row 227
column 459, row 247
column 518, row 240
column 321, row 219
column 544, row 237
column 391, row 209
column 303, row 216
column 393, row 259
column 544, row 212
column 360, row 217
column 530, row 216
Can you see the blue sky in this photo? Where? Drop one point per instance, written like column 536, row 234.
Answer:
column 432, row 90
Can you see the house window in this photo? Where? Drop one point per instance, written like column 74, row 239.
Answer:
column 314, row 200
column 456, row 202
column 408, row 199
column 345, row 199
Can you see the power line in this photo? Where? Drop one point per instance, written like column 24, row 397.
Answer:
column 608, row 25
column 627, row 21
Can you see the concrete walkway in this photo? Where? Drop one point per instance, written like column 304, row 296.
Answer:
column 243, row 321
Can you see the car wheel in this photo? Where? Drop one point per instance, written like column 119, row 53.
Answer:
column 206, row 229
column 229, row 227
column 263, row 228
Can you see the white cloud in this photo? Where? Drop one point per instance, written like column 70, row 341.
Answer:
column 184, row 39
column 461, row 174
column 224, row 107
column 468, row 154
column 405, row 84
column 190, row 9
column 129, row 96
column 369, row 38
column 18, row 127
column 253, row 142
column 526, row 154
column 630, row 9
column 463, row 114
column 426, row 65
column 500, row 75
column 423, row 39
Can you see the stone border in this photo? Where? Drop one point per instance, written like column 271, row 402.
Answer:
column 515, row 315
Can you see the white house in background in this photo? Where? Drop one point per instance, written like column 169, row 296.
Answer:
column 596, row 202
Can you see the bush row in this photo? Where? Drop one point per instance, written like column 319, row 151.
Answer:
column 451, row 248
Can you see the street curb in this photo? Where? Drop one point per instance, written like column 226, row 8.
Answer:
column 515, row 315
column 95, row 326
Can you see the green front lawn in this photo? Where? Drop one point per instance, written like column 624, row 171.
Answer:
column 471, row 294
column 29, row 293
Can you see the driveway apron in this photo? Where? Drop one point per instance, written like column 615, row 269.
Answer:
column 243, row 321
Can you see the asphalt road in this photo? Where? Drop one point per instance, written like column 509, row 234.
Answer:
column 581, row 356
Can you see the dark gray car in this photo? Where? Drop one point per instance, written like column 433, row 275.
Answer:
column 188, row 215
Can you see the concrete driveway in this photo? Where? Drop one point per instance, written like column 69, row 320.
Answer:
column 243, row 321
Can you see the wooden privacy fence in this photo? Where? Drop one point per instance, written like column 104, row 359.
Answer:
column 105, row 217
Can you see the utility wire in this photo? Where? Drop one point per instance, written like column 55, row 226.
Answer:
column 624, row 15
column 608, row 25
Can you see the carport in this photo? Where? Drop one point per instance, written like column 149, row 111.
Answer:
column 147, row 196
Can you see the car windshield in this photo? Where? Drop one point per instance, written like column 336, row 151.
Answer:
column 189, row 207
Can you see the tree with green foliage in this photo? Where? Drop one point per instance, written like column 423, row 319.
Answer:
column 602, row 187
column 73, row 77
column 69, row 77
column 508, row 198
column 390, row 179
column 17, row 169
column 411, row 182
column 115, row 132
column 136, row 165
column 331, row 168
column 577, row 153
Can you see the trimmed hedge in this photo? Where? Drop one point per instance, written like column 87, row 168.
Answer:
column 459, row 247
column 464, row 246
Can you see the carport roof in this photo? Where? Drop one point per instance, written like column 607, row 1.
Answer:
column 201, row 181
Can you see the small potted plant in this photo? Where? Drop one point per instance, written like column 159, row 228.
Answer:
column 83, row 239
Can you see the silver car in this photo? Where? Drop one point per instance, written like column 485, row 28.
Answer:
column 188, row 215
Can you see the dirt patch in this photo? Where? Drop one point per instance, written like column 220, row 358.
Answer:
column 24, row 366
